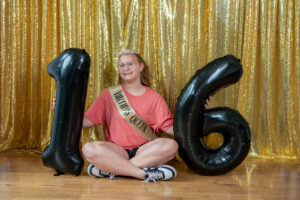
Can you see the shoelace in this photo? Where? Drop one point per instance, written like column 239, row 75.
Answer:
column 102, row 173
column 154, row 176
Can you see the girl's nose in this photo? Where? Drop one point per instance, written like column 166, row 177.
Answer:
column 126, row 67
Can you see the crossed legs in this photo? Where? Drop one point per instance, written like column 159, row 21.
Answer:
column 112, row 158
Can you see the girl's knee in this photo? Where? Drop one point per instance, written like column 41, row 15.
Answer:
column 90, row 149
column 168, row 146
column 173, row 146
column 87, row 150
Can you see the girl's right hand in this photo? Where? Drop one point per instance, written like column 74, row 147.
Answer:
column 54, row 101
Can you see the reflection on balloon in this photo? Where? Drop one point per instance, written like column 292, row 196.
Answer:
column 192, row 122
column 71, row 71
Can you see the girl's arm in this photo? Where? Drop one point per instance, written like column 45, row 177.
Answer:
column 87, row 123
column 170, row 131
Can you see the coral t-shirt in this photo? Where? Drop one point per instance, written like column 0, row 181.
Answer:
column 150, row 106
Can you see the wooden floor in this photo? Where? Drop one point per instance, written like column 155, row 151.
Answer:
column 25, row 177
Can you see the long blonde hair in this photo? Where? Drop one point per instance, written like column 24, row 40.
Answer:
column 145, row 74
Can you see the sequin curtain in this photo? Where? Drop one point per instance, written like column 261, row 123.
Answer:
column 176, row 38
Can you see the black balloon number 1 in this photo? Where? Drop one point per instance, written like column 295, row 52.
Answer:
column 192, row 122
column 71, row 71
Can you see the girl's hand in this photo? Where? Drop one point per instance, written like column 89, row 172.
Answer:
column 207, row 102
column 54, row 101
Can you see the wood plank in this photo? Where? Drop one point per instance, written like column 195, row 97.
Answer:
column 25, row 177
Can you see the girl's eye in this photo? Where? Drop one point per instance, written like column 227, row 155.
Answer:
column 129, row 64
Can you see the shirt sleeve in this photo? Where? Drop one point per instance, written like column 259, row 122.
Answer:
column 163, row 119
column 96, row 113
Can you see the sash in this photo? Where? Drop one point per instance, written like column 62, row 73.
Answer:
column 128, row 113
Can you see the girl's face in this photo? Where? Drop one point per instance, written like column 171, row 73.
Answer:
column 129, row 68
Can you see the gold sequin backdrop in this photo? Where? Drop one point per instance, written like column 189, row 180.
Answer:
column 176, row 38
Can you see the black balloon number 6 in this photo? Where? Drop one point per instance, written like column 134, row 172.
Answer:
column 192, row 122
column 71, row 71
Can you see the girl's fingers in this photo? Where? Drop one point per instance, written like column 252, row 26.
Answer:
column 53, row 103
column 209, row 98
column 207, row 102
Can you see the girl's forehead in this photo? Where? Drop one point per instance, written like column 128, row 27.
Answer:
column 126, row 58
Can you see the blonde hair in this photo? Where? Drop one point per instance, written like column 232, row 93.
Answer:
column 145, row 74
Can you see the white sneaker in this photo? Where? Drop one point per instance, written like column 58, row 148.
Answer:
column 162, row 172
column 93, row 171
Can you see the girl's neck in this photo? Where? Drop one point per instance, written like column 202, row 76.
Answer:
column 136, row 88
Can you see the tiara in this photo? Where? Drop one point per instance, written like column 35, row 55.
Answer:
column 127, row 51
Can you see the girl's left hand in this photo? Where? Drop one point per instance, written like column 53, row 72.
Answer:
column 207, row 102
